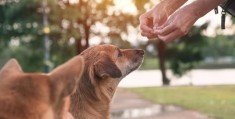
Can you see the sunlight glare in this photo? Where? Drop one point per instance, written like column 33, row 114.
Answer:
column 125, row 6
column 73, row 1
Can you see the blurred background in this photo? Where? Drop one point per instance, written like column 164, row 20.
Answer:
column 42, row 34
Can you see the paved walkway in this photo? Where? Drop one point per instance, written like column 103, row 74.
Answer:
column 127, row 105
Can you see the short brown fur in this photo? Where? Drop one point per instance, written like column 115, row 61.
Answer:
column 38, row 96
column 105, row 66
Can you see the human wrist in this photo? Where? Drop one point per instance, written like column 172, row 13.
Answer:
column 170, row 6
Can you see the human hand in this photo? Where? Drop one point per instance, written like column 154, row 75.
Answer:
column 153, row 18
column 178, row 24
column 157, row 16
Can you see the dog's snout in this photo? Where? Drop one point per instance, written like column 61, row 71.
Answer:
column 140, row 52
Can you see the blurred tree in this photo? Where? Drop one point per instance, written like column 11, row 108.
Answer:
column 102, row 12
column 222, row 45
column 21, row 34
column 90, row 12
column 161, row 50
column 17, row 18
column 184, row 53
column 20, row 24
column 64, row 30
column 69, row 22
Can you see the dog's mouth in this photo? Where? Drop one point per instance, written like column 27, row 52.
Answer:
column 134, row 62
column 134, row 68
column 137, row 63
column 140, row 62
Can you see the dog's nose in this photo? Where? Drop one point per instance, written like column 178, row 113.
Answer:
column 140, row 52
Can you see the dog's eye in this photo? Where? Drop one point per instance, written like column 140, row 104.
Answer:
column 119, row 53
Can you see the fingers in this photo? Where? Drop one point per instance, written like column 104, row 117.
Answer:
column 171, row 30
column 165, row 29
column 146, row 26
column 156, row 21
column 149, row 35
column 170, row 35
column 159, row 20
column 147, row 32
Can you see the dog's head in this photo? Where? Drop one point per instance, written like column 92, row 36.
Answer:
column 108, row 61
column 38, row 96
column 105, row 66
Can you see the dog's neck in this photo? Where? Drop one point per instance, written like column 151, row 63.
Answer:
column 91, row 100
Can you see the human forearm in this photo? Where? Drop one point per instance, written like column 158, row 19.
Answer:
column 171, row 6
column 202, row 7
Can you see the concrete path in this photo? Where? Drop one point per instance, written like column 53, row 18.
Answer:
column 148, row 78
column 127, row 105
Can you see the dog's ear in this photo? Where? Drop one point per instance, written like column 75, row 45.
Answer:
column 105, row 68
column 10, row 68
column 65, row 78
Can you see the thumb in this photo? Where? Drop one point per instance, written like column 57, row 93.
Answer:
column 158, row 20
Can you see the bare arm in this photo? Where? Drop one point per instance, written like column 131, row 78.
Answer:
column 167, row 7
column 202, row 7
column 171, row 6
column 182, row 20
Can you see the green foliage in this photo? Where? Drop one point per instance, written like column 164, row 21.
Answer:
column 186, row 52
column 19, row 18
column 220, row 46
column 149, row 63
column 20, row 24
column 28, row 54
column 215, row 101
column 63, row 38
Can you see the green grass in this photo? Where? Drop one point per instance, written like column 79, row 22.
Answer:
column 150, row 63
column 153, row 63
column 215, row 101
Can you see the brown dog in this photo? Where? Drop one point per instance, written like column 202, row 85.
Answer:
column 105, row 66
column 38, row 96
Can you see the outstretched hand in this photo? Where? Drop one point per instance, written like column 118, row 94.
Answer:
column 177, row 25
column 153, row 18
column 156, row 24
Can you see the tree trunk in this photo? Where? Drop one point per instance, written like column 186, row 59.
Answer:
column 161, row 54
column 87, row 35
column 79, row 47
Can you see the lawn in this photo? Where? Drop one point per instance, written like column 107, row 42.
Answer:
column 215, row 101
